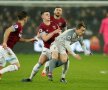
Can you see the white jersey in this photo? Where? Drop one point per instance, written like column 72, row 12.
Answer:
column 63, row 42
column 69, row 37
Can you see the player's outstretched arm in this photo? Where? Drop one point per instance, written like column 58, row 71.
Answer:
column 68, row 47
column 28, row 40
column 6, row 35
column 46, row 37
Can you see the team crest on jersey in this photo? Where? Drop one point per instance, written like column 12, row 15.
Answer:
column 40, row 30
column 68, row 37
column 54, row 27
column 15, row 26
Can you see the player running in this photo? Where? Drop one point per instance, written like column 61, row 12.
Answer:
column 48, row 30
column 12, row 35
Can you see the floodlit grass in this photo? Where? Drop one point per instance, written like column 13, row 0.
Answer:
column 90, row 73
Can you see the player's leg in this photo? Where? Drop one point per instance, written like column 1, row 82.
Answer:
column 106, row 49
column 12, row 59
column 64, row 59
column 36, row 68
column 53, row 61
column 64, row 71
column 45, row 68
column 2, row 64
column 42, row 59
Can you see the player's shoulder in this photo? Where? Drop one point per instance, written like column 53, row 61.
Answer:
column 71, row 29
column 62, row 19
column 17, row 25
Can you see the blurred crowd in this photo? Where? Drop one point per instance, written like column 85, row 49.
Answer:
column 92, row 17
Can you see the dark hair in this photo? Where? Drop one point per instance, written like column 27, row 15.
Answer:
column 80, row 24
column 21, row 15
column 42, row 12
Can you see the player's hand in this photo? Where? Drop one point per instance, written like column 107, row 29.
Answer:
column 57, row 31
column 34, row 39
column 88, row 53
column 77, row 56
column 4, row 45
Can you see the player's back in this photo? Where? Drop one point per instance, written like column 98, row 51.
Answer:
column 15, row 35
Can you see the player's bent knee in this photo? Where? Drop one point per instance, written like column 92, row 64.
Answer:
column 17, row 65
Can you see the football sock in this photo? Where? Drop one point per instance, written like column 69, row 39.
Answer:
column 9, row 68
column 35, row 70
column 52, row 65
column 46, row 65
column 64, row 69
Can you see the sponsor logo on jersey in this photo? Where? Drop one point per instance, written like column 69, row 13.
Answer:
column 40, row 30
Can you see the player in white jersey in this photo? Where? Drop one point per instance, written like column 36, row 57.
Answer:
column 63, row 42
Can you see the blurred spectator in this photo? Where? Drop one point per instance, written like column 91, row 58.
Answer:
column 104, row 31
column 94, row 43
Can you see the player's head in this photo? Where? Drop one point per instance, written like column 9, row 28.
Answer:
column 58, row 11
column 80, row 29
column 45, row 15
column 23, row 16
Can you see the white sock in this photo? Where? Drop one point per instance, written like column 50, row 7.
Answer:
column 35, row 70
column 46, row 65
column 9, row 68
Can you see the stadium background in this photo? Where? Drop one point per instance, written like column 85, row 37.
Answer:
column 91, row 73
column 91, row 12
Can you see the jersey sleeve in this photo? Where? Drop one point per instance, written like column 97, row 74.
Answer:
column 68, row 48
column 42, row 31
column 15, row 27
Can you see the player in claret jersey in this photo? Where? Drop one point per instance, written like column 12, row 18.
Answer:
column 11, row 36
column 58, row 19
column 48, row 30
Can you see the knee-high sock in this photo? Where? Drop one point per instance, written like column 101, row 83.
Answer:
column 52, row 65
column 64, row 69
column 35, row 70
column 46, row 65
column 9, row 68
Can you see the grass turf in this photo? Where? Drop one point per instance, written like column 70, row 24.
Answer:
column 90, row 73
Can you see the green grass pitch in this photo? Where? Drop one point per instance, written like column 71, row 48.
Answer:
column 90, row 73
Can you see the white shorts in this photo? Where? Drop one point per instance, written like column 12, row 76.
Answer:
column 7, row 55
column 46, row 52
column 58, row 48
